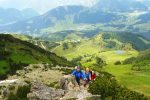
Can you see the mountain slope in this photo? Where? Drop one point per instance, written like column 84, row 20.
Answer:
column 102, row 42
column 94, row 17
column 144, row 18
column 141, row 62
column 60, row 13
column 137, row 41
column 46, row 20
column 12, row 15
column 16, row 53
column 120, row 5
column 106, row 15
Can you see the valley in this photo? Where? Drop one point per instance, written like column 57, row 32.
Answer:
column 43, row 42
column 85, row 53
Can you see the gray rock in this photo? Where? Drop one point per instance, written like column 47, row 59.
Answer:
column 67, row 82
column 40, row 91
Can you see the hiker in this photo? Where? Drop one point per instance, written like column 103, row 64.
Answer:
column 78, row 75
column 75, row 68
column 93, row 76
column 88, row 76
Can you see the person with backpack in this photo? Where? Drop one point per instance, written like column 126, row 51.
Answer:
column 78, row 75
column 88, row 76
column 93, row 76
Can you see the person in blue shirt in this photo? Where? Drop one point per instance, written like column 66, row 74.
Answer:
column 78, row 75
column 88, row 76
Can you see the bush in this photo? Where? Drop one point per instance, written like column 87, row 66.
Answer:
column 65, row 46
column 3, row 76
column 117, row 63
column 12, row 96
column 21, row 93
column 103, row 85
column 129, row 60
column 100, row 62
column 106, row 86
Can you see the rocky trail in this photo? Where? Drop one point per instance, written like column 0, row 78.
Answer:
column 47, row 83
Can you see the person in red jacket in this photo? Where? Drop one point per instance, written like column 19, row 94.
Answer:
column 93, row 76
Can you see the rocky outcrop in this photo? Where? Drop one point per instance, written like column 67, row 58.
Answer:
column 40, row 91
column 67, row 82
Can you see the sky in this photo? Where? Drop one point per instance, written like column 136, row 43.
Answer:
column 43, row 5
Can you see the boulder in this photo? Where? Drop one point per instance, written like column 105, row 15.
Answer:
column 40, row 91
column 67, row 82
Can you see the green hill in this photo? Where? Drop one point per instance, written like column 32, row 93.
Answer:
column 138, row 42
column 15, row 53
column 102, row 42
column 141, row 62
column 134, row 73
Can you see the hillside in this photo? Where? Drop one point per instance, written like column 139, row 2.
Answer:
column 12, row 15
column 141, row 62
column 138, row 42
column 43, row 21
column 101, row 42
column 119, row 5
column 133, row 72
column 16, row 53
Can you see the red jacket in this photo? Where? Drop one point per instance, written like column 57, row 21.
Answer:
column 93, row 76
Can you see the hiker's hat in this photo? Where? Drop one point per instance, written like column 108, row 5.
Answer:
column 75, row 67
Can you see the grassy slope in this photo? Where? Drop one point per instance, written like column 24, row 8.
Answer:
column 19, row 51
column 83, row 48
column 103, row 42
column 135, row 80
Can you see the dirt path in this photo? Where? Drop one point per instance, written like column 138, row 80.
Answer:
column 42, row 45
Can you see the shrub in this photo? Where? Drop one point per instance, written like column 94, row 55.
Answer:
column 100, row 62
column 12, row 96
column 65, row 46
column 21, row 93
column 129, row 60
column 106, row 86
column 117, row 63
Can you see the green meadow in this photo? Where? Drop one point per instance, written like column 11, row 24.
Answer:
column 134, row 80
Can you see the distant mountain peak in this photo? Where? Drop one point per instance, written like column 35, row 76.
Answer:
column 120, row 5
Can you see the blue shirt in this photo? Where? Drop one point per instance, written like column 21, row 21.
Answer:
column 78, row 74
column 87, row 75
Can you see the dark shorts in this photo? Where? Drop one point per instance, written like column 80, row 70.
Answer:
column 78, row 80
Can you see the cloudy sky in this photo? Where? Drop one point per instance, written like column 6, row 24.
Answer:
column 42, row 5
